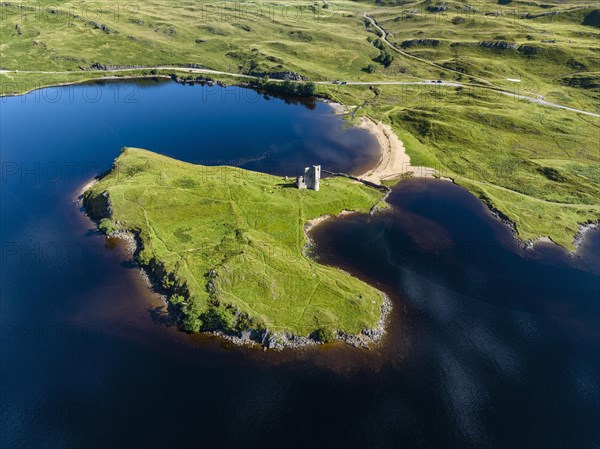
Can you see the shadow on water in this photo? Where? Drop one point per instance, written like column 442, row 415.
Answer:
column 161, row 315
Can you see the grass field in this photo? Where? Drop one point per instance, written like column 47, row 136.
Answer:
column 537, row 165
column 228, row 243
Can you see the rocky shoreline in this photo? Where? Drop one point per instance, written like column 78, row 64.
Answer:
column 286, row 340
column 529, row 245
column 583, row 230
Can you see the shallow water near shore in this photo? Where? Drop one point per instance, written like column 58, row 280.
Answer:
column 488, row 344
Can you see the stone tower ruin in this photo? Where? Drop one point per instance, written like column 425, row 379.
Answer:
column 311, row 178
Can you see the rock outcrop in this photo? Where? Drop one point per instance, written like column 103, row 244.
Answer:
column 423, row 42
column 529, row 50
column 498, row 45
column 287, row 75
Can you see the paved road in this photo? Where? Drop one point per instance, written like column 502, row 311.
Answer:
column 180, row 69
column 397, row 83
column 384, row 37
column 547, row 103
column 537, row 100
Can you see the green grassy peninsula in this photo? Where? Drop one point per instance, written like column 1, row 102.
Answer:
column 227, row 245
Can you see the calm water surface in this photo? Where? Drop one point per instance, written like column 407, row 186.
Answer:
column 489, row 345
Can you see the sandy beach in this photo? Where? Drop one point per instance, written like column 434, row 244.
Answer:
column 338, row 108
column 393, row 162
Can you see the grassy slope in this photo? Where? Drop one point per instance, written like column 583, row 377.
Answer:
column 247, row 229
column 304, row 37
column 475, row 137
column 159, row 32
column 552, row 45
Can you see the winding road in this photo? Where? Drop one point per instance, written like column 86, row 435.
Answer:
column 384, row 37
column 539, row 100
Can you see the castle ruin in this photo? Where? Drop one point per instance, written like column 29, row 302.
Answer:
column 311, row 178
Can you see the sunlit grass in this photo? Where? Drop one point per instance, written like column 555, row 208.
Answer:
column 232, row 240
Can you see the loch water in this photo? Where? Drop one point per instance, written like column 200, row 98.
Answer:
column 488, row 344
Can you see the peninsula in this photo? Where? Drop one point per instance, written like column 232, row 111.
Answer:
column 228, row 247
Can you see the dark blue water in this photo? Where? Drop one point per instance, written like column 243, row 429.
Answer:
column 488, row 346
column 504, row 341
